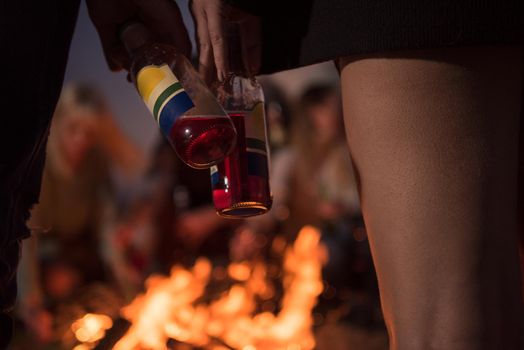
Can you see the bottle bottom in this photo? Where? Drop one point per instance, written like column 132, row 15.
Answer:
column 243, row 210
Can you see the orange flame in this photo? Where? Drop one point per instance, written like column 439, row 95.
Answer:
column 168, row 309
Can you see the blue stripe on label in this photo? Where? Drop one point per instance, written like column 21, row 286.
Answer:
column 215, row 179
column 257, row 164
column 174, row 108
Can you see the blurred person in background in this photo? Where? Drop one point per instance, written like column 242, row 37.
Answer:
column 185, row 219
column 278, row 114
column 312, row 178
column 133, row 240
column 37, row 36
column 317, row 170
column 76, row 210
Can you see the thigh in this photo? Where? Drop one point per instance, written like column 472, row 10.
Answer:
column 434, row 138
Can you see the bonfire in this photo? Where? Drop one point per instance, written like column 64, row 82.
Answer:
column 174, row 314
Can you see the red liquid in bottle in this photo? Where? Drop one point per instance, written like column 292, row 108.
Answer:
column 202, row 141
column 241, row 184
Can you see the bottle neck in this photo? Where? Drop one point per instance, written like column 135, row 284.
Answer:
column 236, row 63
column 134, row 36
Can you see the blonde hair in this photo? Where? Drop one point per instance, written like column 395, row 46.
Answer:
column 82, row 96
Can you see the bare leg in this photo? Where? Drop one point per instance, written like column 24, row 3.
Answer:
column 434, row 138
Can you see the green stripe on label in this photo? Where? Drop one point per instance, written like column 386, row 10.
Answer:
column 171, row 89
column 255, row 144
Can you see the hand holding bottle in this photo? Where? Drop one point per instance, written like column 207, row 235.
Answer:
column 240, row 183
column 186, row 111
column 162, row 17
column 211, row 17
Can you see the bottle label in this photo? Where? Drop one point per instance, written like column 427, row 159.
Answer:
column 256, row 146
column 255, row 129
column 256, row 142
column 215, row 176
column 163, row 94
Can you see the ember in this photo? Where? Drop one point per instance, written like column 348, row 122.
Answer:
column 170, row 310
column 90, row 329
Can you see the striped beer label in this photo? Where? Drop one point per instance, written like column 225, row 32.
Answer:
column 256, row 148
column 163, row 94
column 256, row 130
column 215, row 176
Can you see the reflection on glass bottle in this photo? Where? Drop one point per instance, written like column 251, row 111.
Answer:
column 241, row 182
column 186, row 111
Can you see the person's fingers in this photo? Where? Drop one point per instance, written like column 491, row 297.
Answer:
column 165, row 19
column 106, row 16
column 117, row 57
column 215, row 25
column 205, row 52
column 250, row 32
column 162, row 17
column 206, row 64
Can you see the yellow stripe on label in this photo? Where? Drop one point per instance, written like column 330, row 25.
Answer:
column 147, row 79
column 152, row 81
column 256, row 128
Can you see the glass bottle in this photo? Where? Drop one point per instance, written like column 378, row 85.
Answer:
column 240, row 184
column 188, row 114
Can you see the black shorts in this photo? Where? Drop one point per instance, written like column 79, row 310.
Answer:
column 301, row 32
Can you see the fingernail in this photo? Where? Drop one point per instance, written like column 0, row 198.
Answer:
column 220, row 75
